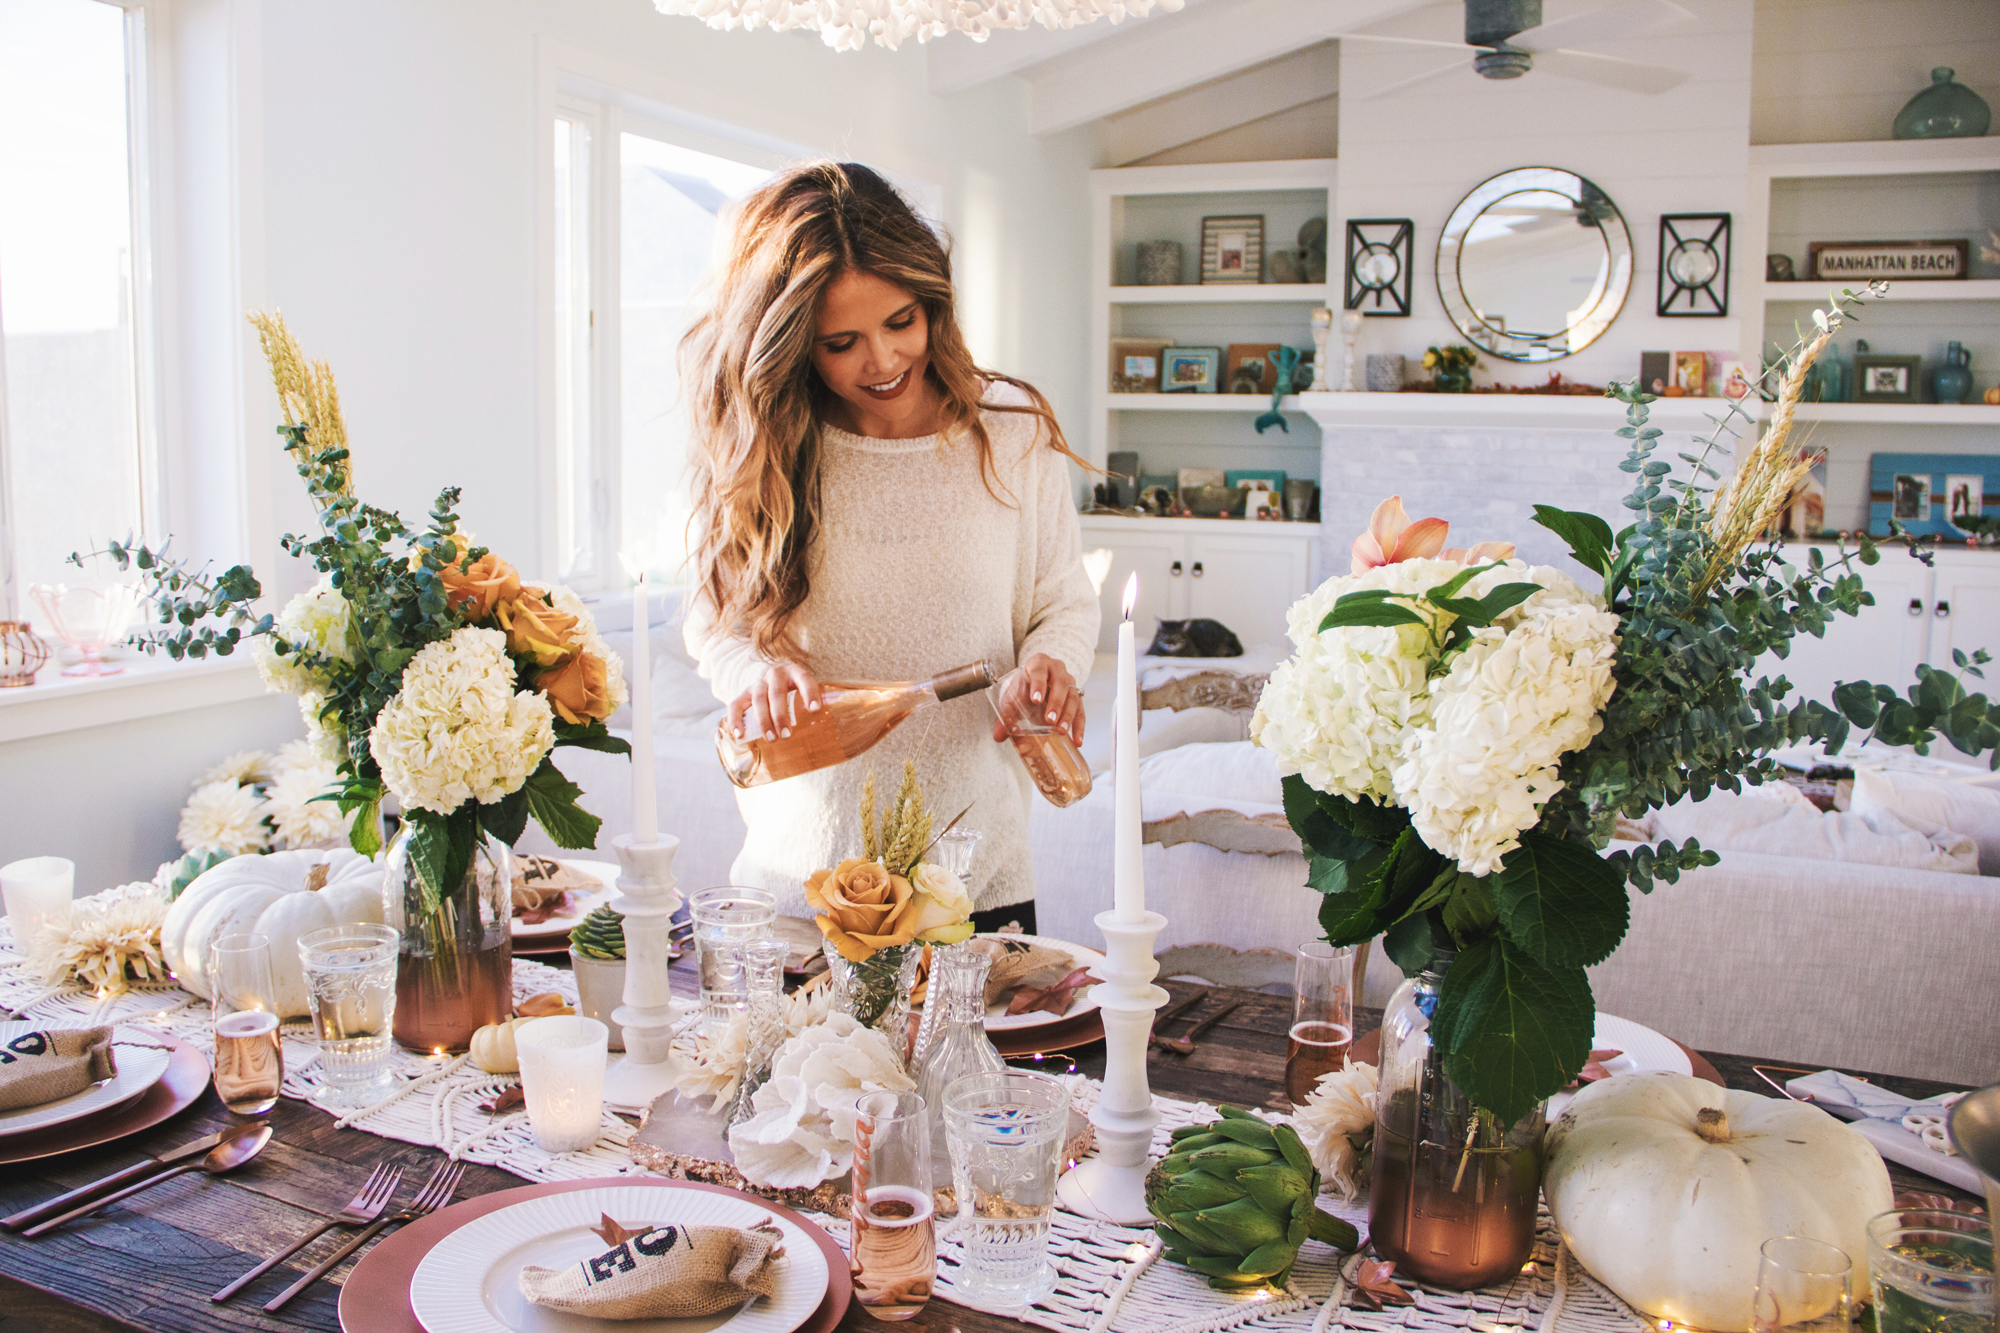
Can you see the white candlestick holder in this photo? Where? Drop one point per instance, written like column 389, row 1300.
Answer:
column 1350, row 333
column 647, row 900
column 1112, row 1185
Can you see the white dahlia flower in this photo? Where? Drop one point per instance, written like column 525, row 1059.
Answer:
column 247, row 768
column 300, row 820
column 458, row 729
column 1339, row 1110
column 222, row 816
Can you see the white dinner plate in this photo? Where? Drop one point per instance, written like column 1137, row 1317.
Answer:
column 1644, row 1051
column 584, row 902
column 141, row 1059
column 999, row 1020
column 468, row 1283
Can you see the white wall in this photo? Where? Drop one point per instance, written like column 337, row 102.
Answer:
column 1838, row 71
column 386, row 190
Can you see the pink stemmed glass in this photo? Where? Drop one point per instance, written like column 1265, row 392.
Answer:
column 89, row 620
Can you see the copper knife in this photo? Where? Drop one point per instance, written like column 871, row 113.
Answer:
column 118, row 1180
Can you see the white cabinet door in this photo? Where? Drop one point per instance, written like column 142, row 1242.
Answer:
column 1965, row 614
column 1160, row 560
column 1883, row 644
column 1248, row 583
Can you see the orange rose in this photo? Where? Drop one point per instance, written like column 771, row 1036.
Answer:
column 537, row 630
column 474, row 590
column 863, row 908
column 579, row 689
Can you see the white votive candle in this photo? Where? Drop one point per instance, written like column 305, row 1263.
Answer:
column 562, row 1076
column 37, row 892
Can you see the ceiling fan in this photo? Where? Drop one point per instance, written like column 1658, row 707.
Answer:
column 1507, row 39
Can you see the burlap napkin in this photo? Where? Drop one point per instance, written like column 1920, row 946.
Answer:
column 41, row 1066
column 669, row 1272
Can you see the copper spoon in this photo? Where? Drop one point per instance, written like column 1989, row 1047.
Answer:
column 1185, row 1045
column 226, row 1156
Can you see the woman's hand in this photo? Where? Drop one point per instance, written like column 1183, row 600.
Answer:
column 1053, row 691
column 779, row 698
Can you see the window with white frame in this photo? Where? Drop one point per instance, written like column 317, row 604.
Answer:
column 636, row 219
column 76, row 436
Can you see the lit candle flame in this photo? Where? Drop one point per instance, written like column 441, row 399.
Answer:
column 1131, row 593
column 632, row 567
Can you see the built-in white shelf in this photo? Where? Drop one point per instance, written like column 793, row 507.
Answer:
column 1902, row 414
column 1309, row 293
column 1265, row 527
column 1821, row 293
column 1197, row 402
column 1474, row 411
column 1884, row 157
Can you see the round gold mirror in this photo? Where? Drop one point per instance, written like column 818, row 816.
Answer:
column 1534, row 264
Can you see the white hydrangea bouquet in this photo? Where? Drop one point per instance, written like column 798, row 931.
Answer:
column 1459, row 731
column 425, row 665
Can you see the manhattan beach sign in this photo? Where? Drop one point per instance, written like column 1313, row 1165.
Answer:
column 1862, row 261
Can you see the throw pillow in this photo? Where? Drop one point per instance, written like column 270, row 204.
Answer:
column 1931, row 805
column 1235, row 771
column 1161, row 729
column 1781, row 822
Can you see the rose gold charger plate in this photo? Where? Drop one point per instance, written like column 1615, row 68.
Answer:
column 1367, row 1050
column 1066, row 1035
column 186, row 1078
column 375, row 1298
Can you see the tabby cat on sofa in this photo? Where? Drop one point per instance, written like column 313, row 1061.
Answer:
column 1194, row 638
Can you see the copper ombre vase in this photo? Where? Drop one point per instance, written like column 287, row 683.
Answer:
column 455, row 973
column 1452, row 1193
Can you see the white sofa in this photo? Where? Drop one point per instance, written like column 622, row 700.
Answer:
column 1807, row 962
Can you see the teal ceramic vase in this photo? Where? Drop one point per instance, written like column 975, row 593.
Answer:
column 1945, row 110
column 1951, row 381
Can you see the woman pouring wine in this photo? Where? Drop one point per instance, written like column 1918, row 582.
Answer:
column 872, row 506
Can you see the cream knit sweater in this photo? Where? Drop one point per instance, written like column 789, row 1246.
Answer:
column 917, row 569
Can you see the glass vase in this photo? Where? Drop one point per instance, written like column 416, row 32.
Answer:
column 1451, row 1191
column 455, row 970
column 877, row 990
column 958, row 1044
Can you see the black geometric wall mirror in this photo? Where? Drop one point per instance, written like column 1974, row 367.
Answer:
column 1378, row 265
column 1694, row 264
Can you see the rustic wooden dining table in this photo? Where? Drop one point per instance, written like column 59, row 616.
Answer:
column 151, row 1262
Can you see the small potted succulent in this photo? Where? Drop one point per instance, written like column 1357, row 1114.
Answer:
column 597, row 953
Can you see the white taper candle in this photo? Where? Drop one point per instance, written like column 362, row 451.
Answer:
column 645, row 808
column 1128, row 874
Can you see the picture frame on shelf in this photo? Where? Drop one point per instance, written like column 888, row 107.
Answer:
column 1880, row 378
column 1190, row 369
column 1232, row 249
column 1135, row 363
column 1247, row 368
column 1694, row 265
column 1379, row 253
column 1964, row 497
column 1690, row 374
column 1656, row 371
column 1926, row 494
column 1898, row 261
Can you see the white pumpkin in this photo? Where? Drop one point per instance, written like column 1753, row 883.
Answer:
column 270, row 896
column 1665, row 1187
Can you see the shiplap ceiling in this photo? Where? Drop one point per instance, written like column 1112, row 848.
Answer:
column 1218, row 64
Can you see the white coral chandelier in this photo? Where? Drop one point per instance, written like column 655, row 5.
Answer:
column 846, row 25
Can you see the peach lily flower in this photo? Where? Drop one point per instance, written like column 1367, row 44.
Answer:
column 1483, row 553
column 1392, row 538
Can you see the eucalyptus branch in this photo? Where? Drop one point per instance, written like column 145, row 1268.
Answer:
column 208, row 614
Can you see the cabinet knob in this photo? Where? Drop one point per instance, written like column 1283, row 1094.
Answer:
column 1197, row 569
column 1916, row 606
column 1176, row 570
column 1942, row 610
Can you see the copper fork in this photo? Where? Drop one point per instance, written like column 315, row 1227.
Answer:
column 362, row 1209
column 435, row 1194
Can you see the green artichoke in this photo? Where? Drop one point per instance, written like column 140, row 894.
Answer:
column 1234, row 1200
column 599, row 935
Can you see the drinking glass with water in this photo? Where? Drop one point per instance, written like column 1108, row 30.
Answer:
column 351, row 986
column 1006, row 1132
column 725, row 919
column 1931, row 1271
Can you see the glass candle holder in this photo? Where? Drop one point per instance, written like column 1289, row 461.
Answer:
column 562, row 1077
column 22, row 653
column 1803, row 1284
column 37, row 893
column 243, row 997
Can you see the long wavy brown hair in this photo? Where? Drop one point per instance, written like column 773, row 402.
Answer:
column 758, row 404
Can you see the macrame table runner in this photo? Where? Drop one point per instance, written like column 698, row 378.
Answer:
column 1111, row 1279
